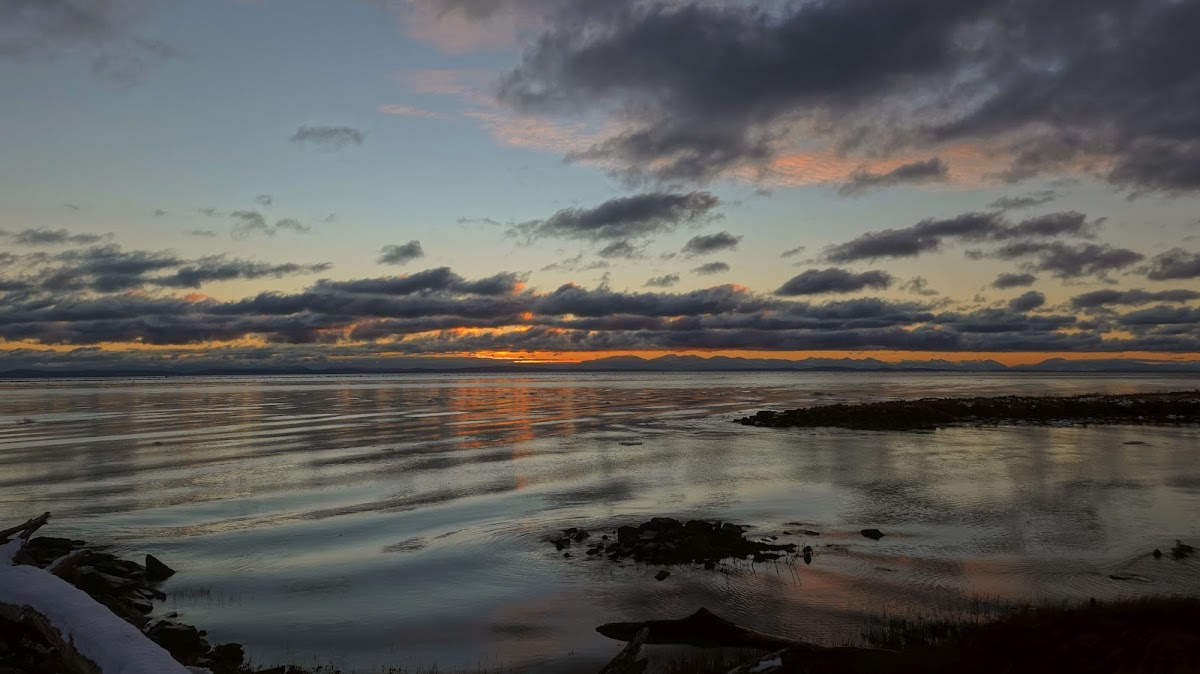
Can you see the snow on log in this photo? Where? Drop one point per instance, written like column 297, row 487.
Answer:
column 94, row 639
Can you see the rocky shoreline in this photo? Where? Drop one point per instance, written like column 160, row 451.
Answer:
column 1182, row 407
column 129, row 590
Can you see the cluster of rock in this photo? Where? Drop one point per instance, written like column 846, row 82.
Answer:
column 129, row 590
column 665, row 541
column 931, row 413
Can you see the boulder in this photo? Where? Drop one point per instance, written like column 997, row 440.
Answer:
column 156, row 571
column 873, row 534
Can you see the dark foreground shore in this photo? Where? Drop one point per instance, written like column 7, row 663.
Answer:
column 1182, row 407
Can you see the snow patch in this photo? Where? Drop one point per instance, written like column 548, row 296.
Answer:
column 113, row 644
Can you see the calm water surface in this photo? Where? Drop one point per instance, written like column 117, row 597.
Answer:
column 401, row 520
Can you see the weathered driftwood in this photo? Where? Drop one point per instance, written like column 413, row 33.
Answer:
column 627, row 661
column 703, row 629
column 25, row 530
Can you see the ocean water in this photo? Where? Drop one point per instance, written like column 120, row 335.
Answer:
column 401, row 520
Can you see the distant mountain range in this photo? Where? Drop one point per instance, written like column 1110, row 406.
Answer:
column 670, row 363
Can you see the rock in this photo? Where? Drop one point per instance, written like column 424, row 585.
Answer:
column 627, row 533
column 183, row 642
column 228, row 656
column 1181, row 550
column 648, row 535
column 560, row 543
column 1157, row 553
column 566, row 555
column 807, row 552
column 580, row 536
column 662, row 575
column 156, row 571
column 807, row 532
column 873, row 534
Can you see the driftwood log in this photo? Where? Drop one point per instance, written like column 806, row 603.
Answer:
column 704, row 629
column 627, row 661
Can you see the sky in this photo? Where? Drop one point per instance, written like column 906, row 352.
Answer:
column 313, row 182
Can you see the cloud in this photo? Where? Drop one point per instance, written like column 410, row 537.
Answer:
column 862, row 181
column 398, row 110
column 791, row 252
column 437, row 311
column 1174, row 264
column 919, row 285
column 53, row 237
column 929, row 235
column 665, row 281
column 328, row 138
column 264, row 200
column 112, row 269
column 711, row 268
column 1011, row 203
column 923, row 237
column 633, row 217
column 834, row 280
column 402, row 254
column 576, row 264
column 102, row 31
column 1069, row 262
column 711, row 243
column 1103, row 87
column 220, row 268
column 1027, row 301
column 1105, row 298
column 204, row 233
column 248, row 223
column 158, row 213
column 620, row 249
column 1011, row 280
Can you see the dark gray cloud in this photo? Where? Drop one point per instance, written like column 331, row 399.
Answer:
column 792, row 252
column 665, row 281
column 1070, row 261
column 328, row 138
column 923, row 237
column 834, row 280
column 711, row 268
column 1106, row 298
column 1012, row 203
column 929, row 235
column 111, row 269
column 627, row 218
column 711, row 243
column 1175, row 264
column 1027, row 301
column 705, row 88
column 423, row 313
column 920, row 172
column 1011, row 280
column 203, row 233
column 401, row 254
column 158, row 213
column 53, row 237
